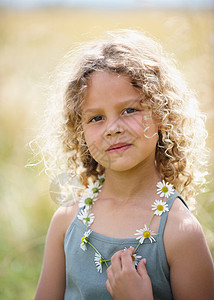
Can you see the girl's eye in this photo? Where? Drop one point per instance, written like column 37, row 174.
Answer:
column 130, row 111
column 96, row 119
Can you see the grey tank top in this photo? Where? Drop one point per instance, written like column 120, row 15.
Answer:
column 84, row 282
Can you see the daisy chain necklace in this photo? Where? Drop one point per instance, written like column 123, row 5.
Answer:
column 86, row 201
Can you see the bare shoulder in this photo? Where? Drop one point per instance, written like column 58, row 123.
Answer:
column 182, row 226
column 182, row 230
column 52, row 284
column 63, row 217
column 188, row 256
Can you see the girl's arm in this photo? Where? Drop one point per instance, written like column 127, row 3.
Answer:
column 191, row 266
column 52, row 280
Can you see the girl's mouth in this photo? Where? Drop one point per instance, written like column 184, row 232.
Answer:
column 120, row 147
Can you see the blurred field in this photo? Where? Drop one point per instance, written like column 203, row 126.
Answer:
column 31, row 44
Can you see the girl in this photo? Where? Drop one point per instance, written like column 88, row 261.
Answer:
column 131, row 123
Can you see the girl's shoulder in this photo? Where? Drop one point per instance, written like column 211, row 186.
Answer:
column 188, row 255
column 181, row 218
column 63, row 217
column 183, row 231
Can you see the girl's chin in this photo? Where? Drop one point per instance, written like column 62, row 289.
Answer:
column 119, row 167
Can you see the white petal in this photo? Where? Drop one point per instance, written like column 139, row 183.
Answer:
column 83, row 246
column 139, row 231
column 142, row 239
column 152, row 239
column 159, row 185
column 97, row 257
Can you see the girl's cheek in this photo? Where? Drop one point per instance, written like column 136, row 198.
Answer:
column 136, row 124
column 91, row 137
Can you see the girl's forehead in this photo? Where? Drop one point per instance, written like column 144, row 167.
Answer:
column 109, row 87
column 106, row 77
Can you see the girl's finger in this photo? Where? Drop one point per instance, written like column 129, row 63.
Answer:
column 141, row 268
column 116, row 261
column 110, row 281
column 108, row 286
column 126, row 258
column 109, row 273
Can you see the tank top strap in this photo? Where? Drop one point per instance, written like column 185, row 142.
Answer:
column 170, row 201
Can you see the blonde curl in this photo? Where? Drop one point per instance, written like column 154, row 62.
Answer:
column 181, row 154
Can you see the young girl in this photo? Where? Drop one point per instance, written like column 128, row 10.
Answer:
column 133, row 126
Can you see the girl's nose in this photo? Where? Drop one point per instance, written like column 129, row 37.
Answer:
column 113, row 131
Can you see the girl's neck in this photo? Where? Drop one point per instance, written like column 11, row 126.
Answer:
column 129, row 185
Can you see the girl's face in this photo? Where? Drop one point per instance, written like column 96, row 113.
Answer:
column 115, row 124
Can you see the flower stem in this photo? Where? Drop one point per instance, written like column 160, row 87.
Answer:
column 168, row 198
column 88, row 217
column 137, row 247
column 151, row 220
column 103, row 259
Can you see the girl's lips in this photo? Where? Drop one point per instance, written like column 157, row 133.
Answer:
column 118, row 148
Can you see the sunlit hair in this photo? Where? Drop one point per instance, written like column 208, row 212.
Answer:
column 181, row 154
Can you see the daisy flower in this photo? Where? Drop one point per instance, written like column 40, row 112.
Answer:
column 87, row 199
column 164, row 189
column 85, row 217
column 94, row 187
column 84, row 240
column 98, row 262
column 145, row 233
column 160, row 207
column 135, row 258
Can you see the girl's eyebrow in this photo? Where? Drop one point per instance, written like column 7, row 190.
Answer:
column 119, row 104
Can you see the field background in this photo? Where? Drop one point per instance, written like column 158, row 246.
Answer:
column 31, row 45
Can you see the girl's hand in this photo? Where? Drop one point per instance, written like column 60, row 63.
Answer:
column 124, row 281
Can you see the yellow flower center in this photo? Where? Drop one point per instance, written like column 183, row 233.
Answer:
column 165, row 189
column 133, row 258
column 146, row 234
column 160, row 207
column 82, row 239
column 100, row 261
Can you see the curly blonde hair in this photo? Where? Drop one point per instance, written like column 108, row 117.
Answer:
column 181, row 154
